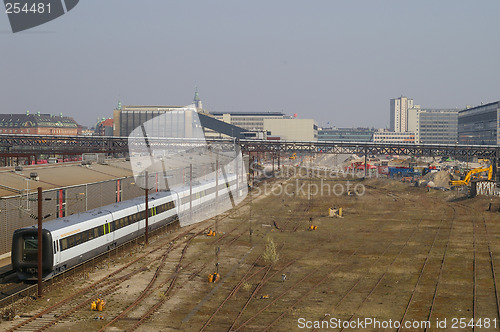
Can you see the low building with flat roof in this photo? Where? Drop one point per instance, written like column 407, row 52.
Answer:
column 385, row 136
column 252, row 121
column 292, row 129
column 346, row 134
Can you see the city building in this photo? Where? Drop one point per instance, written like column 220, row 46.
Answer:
column 127, row 118
column 385, row 136
column 38, row 124
column 252, row 121
column 176, row 124
column 434, row 126
column 346, row 134
column 292, row 129
column 104, row 127
column 480, row 125
column 399, row 113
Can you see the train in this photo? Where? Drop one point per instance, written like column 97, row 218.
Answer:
column 71, row 240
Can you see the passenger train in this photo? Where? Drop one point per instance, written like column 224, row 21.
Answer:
column 71, row 240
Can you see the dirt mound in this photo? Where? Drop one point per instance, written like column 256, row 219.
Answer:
column 440, row 179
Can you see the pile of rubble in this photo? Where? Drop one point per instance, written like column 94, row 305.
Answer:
column 436, row 179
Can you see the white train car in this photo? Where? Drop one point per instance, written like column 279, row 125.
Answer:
column 71, row 240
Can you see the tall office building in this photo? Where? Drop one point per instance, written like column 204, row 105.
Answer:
column 399, row 113
column 433, row 126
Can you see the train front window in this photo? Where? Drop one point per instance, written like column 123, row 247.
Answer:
column 30, row 249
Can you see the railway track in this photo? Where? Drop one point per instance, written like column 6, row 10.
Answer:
column 82, row 299
column 149, row 288
column 402, row 320
column 279, row 296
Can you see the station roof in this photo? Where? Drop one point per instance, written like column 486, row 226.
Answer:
column 60, row 175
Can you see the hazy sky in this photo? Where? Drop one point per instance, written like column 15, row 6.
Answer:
column 334, row 61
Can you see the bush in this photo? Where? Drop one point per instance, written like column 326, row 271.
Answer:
column 270, row 253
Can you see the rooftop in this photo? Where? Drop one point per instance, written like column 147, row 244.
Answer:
column 36, row 120
column 60, row 175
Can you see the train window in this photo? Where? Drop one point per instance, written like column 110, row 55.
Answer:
column 30, row 249
column 90, row 234
column 71, row 241
column 83, row 236
column 78, row 239
column 55, row 248
column 64, row 244
column 96, row 231
column 100, row 230
column 112, row 226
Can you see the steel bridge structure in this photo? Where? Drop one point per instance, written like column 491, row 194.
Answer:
column 31, row 145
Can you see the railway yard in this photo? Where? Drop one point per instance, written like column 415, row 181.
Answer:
column 399, row 256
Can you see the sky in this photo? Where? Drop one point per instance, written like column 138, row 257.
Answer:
column 338, row 62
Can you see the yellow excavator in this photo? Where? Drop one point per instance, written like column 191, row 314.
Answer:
column 470, row 174
column 293, row 156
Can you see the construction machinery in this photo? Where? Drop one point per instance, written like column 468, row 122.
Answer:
column 472, row 175
column 293, row 156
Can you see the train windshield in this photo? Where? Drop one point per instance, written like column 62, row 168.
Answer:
column 30, row 249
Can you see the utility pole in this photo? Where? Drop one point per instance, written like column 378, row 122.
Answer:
column 250, row 231
column 191, row 192
column 40, row 217
column 216, row 193
column 366, row 164
column 146, row 190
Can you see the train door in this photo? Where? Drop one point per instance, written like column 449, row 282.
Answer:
column 178, row 205
column 57, row 252
column 107, row 231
